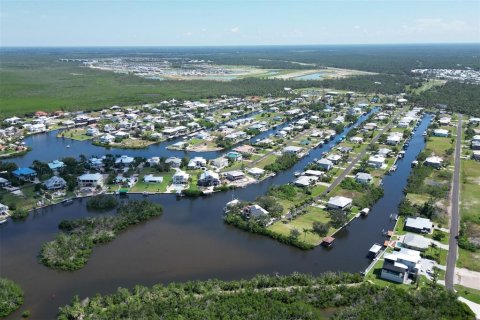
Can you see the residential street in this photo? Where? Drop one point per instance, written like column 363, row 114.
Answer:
column 454, row 218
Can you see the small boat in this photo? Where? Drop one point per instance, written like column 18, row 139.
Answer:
column 68, row 146
column 297, row 173
column 328, row 241
column 365, row 212
column 393, row 168
column 374, row 251
column 67, row 201
column 3, row 220
column 145, row 193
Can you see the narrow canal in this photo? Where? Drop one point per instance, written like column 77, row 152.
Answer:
column 189, row 242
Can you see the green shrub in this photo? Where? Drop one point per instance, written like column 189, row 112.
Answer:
column 11, row 297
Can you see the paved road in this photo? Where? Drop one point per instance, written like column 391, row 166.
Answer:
column 454, row 218
column 345, row 172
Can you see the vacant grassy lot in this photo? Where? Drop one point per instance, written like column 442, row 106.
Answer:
column 141, row 186
column 304, row 222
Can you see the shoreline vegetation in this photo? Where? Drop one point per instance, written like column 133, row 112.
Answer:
column 102, row 202
column 298, row 296
column 72, row 248
column 11, row 297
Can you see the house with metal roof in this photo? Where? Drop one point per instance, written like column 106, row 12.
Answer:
column 419, row 225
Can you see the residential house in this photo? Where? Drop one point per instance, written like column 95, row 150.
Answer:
column 339, row 203
column 325, row 164
column 174, row 162
column 196, row 163
column 254, row 211
column 90, row 180
column 209, row 178
column 415, row 242
column 376, row 161
column 124, row 161
column 292, row 150
column 25, row 173
column 334, row 158
column 234, row 156
column 440, row 133
column 56, row 165
column 256, row 172
column 363, row 178
column 399, row 265
column 220, row 162
column 235, row 175
column 305, row 181
column 180, row 177
column 418, row 225
column 55, row 183
column 434, row 161
column 150, row 178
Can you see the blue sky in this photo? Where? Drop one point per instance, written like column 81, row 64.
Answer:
column 231, row 22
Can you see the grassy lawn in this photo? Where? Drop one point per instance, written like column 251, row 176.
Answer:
column 141, row 186
column 444, row 234
column 470, row 190
column 469, row 260
column 439, row 145
column 27, row 201
column 419, row 199
column 437, row 254
column 266, row 161
column 468, row 293
column 132, row 143
column 75, row 134
column 304, row 222
column 399, row 227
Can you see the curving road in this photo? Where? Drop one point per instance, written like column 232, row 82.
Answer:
column 455, row 216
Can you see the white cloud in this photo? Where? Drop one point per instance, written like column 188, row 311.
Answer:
column 435, row 24
column 188, row 34
column 235, row 29
column 356, row 27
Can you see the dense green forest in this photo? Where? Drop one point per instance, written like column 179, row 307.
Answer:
column 458, row 97
column 272, row 297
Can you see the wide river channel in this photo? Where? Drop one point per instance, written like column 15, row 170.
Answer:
column 188, row 242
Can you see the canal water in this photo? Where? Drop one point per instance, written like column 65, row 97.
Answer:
column 57, row 148
column 188, row 242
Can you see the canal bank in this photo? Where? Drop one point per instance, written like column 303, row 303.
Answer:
column 190, row 241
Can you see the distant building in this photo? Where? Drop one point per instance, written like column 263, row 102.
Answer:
column 363, row 178
column 180, row 177
column 400, row 265
column 255, row 211
column 325, row 164
column 209, row 178
column 150, row 178
column 174, row 162
column 220, row 162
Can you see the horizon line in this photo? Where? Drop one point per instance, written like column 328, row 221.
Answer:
column 238, row 45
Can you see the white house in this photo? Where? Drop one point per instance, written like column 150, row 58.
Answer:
column 255, row 211
column 90, row 180
column 91, row 131
column 399, row 265
column 363, row 178
column 124, row 160
column 434, row 161
column 174, row 162
column 209, row 178
column 305, row 181
column 196, row 162
column 339, row 202
column 334, row 158
column 180, row 177
column 220, row 162
column 419, row 225
column 3, row 209
column 394, row 138
column 107, row 138
column 150, row 178
column 256, row 172
column 357, row 140
column 292, row 150
column 235, row 175
column 440, row 133
column 376, row 161
column 325, row 164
